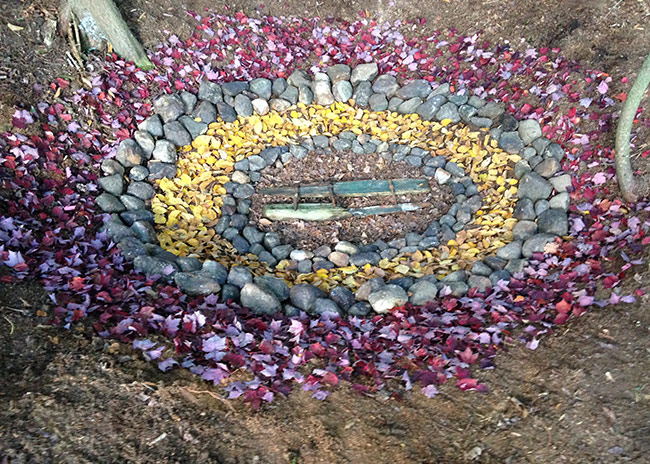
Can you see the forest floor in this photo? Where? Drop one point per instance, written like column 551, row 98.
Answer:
column 582, row 396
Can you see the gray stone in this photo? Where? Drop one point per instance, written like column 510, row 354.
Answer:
column 362, row 93
column 131, row 247
column 279, row 104
column 275, row 285
column 458, row 289
column 188, row 264
column 226, row 112
column 152, row 266
column 342, row 91
column 298, row 78
column 416, row 88
column 369, row 287
column 482, row 269
column 561, row 183
column 507, row 122
column 560, row 201
column 240, row 244
column 360, row 309
column 325, row 305
column 109, row 203
column 279, row 86
column 323, row 92
column 536, row 244
column 244, row 191
column 145, row 140
column 262, row 87
column 523, row 230
column 554, row 150
column 271, row 240
column 366, row 257
column 491, row 110
column 291, row 95
column 195, row 283
column 443, row 89
column 229, row 292
column 525, row 210
column 267, row 258
column 234, row 88
column 145, row 231
column 129, row 153
column 110, row 167
column 253, row 235
column 206, row 112
column 385, row 84
column 194, row 127
column 481, row 122
column 165, row 151
column 169, row 107
column 339, row 72
column 161, row 170
column 467, row 112
column 521, row 169
column 304, row 296
column 498, row 276
column 129, row 217
column 495, row 263
column 239, row 276
column 409, row 106
column 211, row 92
column 142, row 190
column 534, row 186
column 547, row 167
column 364, row 72
column 516, row 266
column 189, row 100
column 387, row 298
column 339, row 259
column 378, row 102
column 132, row 203
column 448, row 111
column 243, row 106
column 456, row 276
column 541, row 206
column 281, row 252
column 511, row 251
column 153, row 125
column 259, row 300
column 529, row 130
column 305, row 95
column 553, row 221
column 481, row 283
column 441, row 176
column 343, row 297
column 177, row 134
column 511, row 142
column 394, row 103
column 112, row 184
column 453, row 168
column 421, row 292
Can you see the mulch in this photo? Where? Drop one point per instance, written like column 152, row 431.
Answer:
column 343, row 166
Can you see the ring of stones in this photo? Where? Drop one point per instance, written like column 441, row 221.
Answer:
column 150, row 155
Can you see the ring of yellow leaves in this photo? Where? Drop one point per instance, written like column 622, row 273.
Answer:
column 187, row 207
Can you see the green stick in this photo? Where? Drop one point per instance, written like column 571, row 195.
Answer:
column 327, row 212
column 354, row 188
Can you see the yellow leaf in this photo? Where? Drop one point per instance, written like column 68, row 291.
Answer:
column 15, row 28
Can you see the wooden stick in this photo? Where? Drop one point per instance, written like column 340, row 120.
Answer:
column 327, row 212
column 354, row 188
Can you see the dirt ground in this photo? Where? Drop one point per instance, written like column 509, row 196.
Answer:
column 582, row 397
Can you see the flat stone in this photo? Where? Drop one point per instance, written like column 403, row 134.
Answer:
column 366, row 257
column 511, row 142
column 561, row 183
column 161, row 170
column 153, row 124
column 523, row 230
column 244, row 191
column 342, row 91
column 211, row 92
column 132, row 203
column 152, row 266
column 534, row 186
column 448, row 111
column 169, row 107
column 378, row 102
column 511, row 251
column 239, row 276
column 275, row 285
column 387, row 298
column 109, row 203
column 339, row 72
column 194, row 127
column 416, row 88
column 481, row 283
column 262, row 87
column 129, row 153
column 421, row 292
column 145, row 140
column 141, row 190
column 131, row 247
column 343, row 297
column 553, row 221
column 195, row 283
column 177, row 134
column 536, row 244
column 304, row 296
column 112, row 184
column 547, row 167
column 226, row 112
column 206, row 112
column 364, row 72
column 529, row 130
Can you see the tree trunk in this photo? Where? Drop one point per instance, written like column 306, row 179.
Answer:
column 104, row 15
column 632, row 188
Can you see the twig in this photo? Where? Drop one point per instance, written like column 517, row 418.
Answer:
column 11, row 332
column 21, row 311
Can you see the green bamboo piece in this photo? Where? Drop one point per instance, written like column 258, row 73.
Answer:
column 354, row 188
column 327, row 212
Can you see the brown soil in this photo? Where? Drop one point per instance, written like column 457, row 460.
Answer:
column 582, row 397
column 318, row 168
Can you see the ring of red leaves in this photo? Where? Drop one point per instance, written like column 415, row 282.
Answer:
column 49, row 226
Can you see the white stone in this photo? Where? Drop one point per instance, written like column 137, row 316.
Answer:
column 442, row 176
column 260, row 106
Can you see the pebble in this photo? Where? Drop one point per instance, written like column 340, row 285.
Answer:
column 511, row 142
column 339, row 72
column 260, row 106
column 481, row 283
column 142, row 190
column 226, row 112
column 275, row 285
column 529, row 130
column 165, row 151
column 234, row 88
